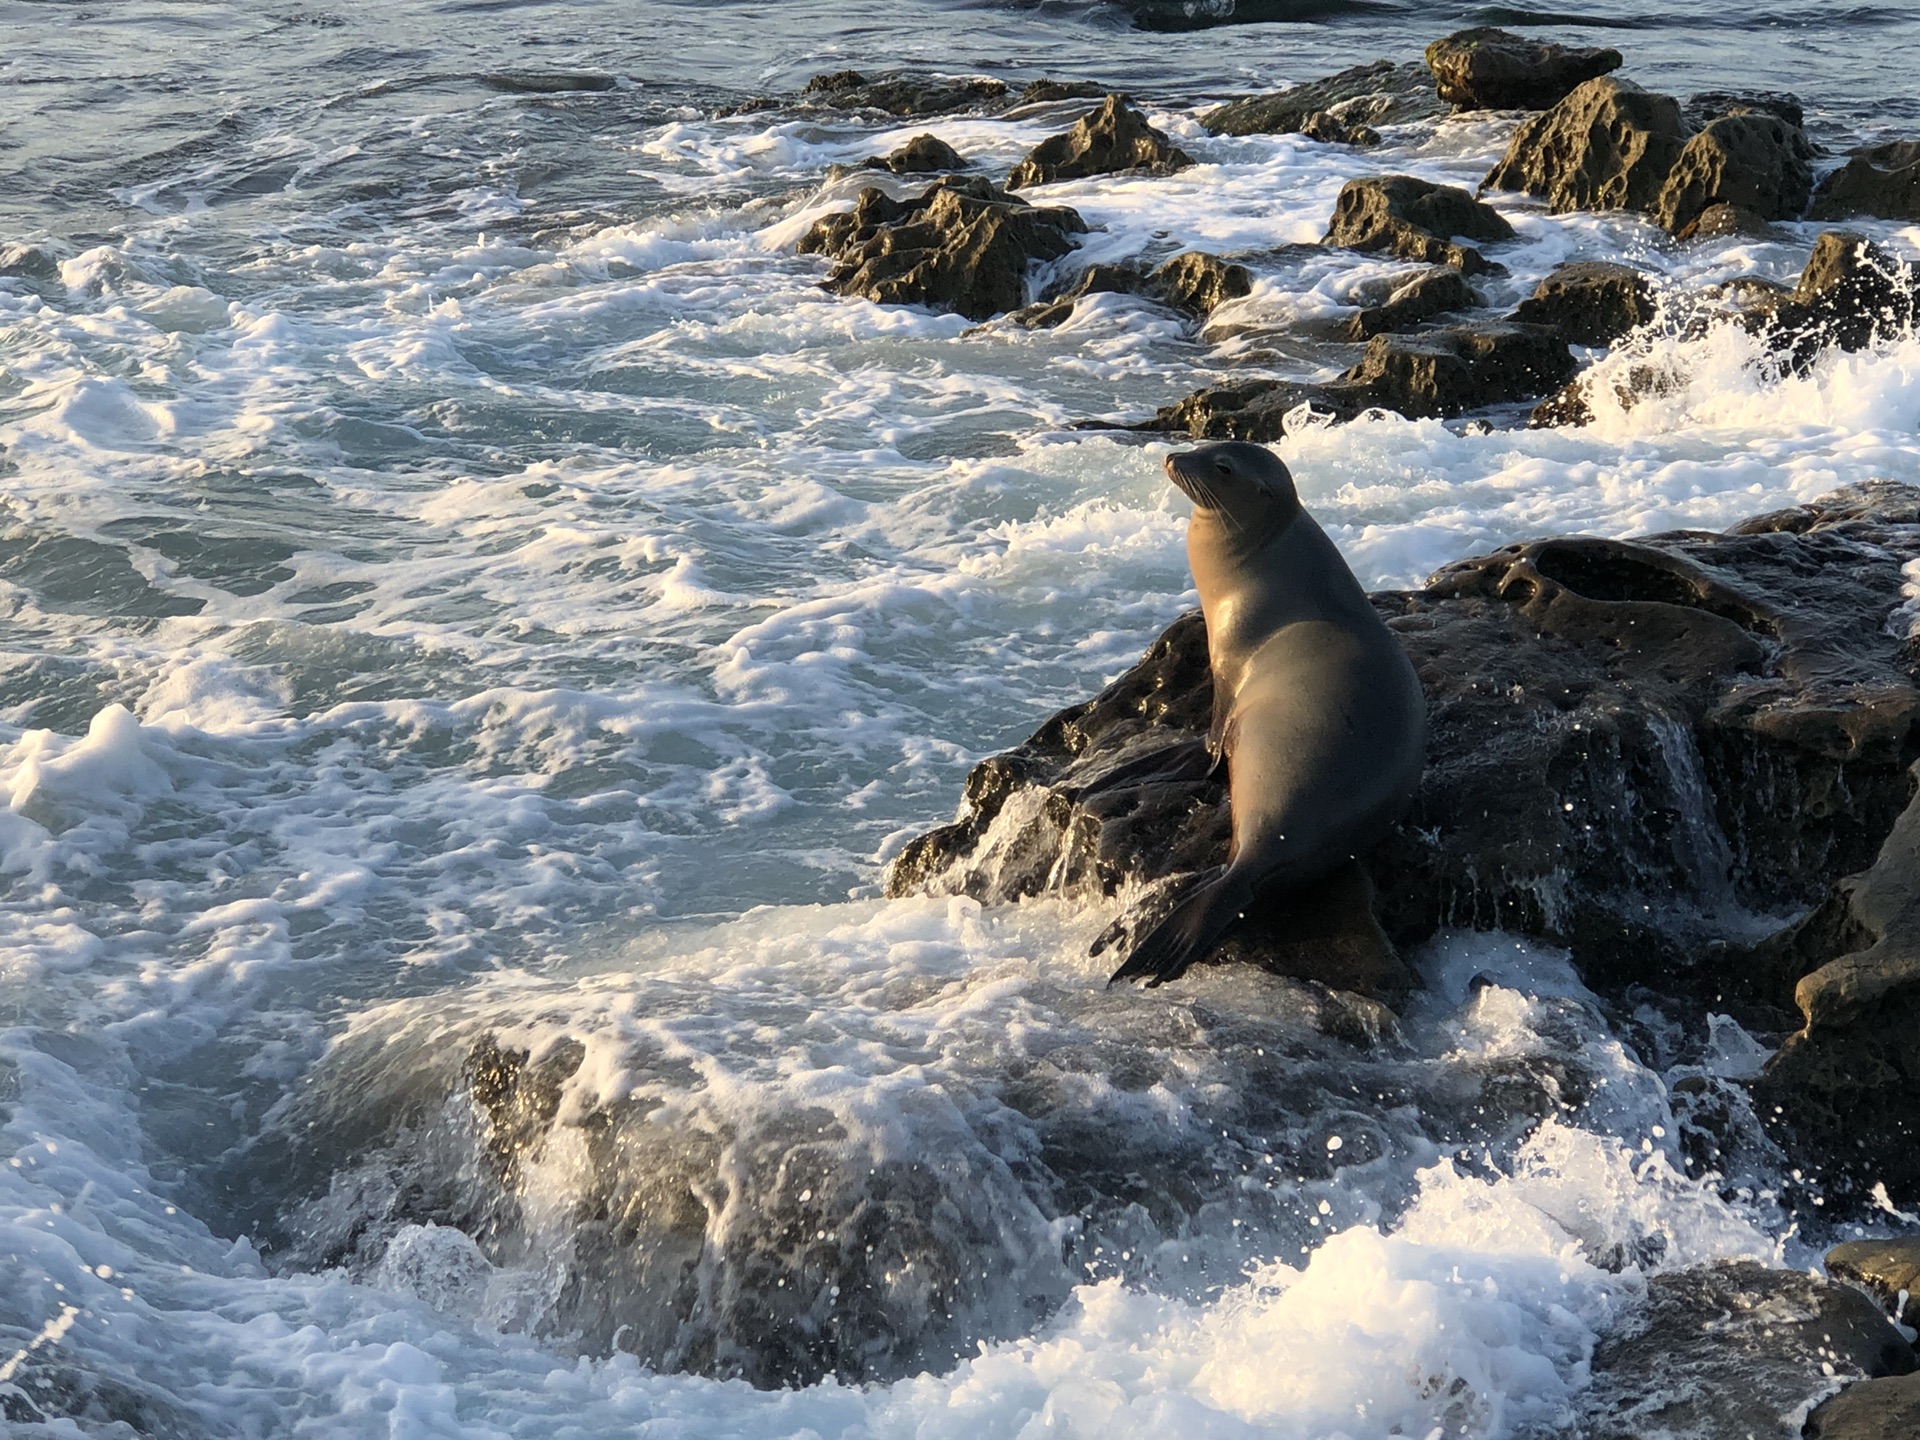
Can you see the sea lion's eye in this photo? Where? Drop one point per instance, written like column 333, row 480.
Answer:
column 1223, row 467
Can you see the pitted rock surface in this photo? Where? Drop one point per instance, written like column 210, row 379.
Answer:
column 1881, row 180
column 1590, row 302
column 1490, row 69
column 1116, row 138
column 1608, row 146
column 1412, row 299
column 1755, row 163
column 1415, row 219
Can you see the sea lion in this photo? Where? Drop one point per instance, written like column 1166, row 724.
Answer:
column 1318, row 716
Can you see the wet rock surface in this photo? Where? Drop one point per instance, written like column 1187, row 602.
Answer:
column 1590, row 302
column 1886, row 1409
column 1491, row 69
column 1366, row 95
column 1411, row 300
column 1634, row 745
column 962, row 246
column 1608, row 146
column 903, row 94
column 1882, row 180
column 1851, row 294
column 1754, row 163
column 1890, row 1269
column 1116, row 138
column 1415, row 219
column 1194, row 282
column 1257, row 409
column 1733, row 1350
column 922, row 155
column 1704, row 108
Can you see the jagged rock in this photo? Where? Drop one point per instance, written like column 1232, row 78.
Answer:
column 1114, row 138
column 1628, row 739
column 1048, row 92
column 1888, row 1268
column 1460, row 368
column 1709, row 105
column 1733, row 1350
column 1721, row 220
column 1489, row 69
column 903, row 94
column 1886, row 1409
column 1253, row 409
column 922, row 155
column 962, row 246
column 1426, row 294
column 1608, row 146
column 1852, row 294
column 1415, row 219
column 1754, row 162
column 1382, row 93
column 1330, row 129
column 1881, row 180
column 1590, row 302
column 1200, row 283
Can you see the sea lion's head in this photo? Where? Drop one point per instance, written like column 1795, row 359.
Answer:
column 1246, row 485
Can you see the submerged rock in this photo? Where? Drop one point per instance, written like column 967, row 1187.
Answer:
column 1489, row 69
column 1459, row 368
column 1415, row 219
column 962, row 246
column 1382, row 93
column 1881, row 180
column 903, row 94
column 1195, row 282
column 1885, row 1409
column 1590, row 302
column 922, row 155
column 1756, row 163
column 1888, row 1268
column 1629, row 742
column 1608, row 146
column 1113, row 139
column 1413, row 299
column 1734, row 1350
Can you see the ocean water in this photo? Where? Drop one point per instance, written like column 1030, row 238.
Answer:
column 477, row 619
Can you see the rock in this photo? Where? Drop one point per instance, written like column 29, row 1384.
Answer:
column 1330, row 129
column 1628, row 739
column 1590, row 302
column 1488, row 69
column 922, row 155
column 962, row 246
column 1757, row 163
column 1050, row 92
column 1888, row 1268
column 1415, row 219
column 1057, row 305
column 1426, row 294
column 1733, row 1350
column 1460, row 368
column 1721, row 220
column 1607, row 146
column 1881, row 180
column 1703, row 109
column 1887, row 1409
column 1115, row 138
column 903, row 94
column 1852, row 294
column 1200, row 283
column 1252, row 409
column 1382, row 93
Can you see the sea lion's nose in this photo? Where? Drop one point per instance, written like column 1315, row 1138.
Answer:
column 1167, row 465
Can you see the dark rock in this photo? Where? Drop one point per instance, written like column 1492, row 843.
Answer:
column 1426, row 294
column 1253, row 409
column 1057, row 304
column 903, row 94
column 1382, row 93
column 1757, row 163
column 1460, row 368
column 1719, row 221
column 1183, row 15
column 1734, row 1350
column 1590, row 302
column 1415, row 219
column 1886, row 1409
column 922, row 155
column 1888, row 1268
column 1115, row 138
column 1573, row 404
column 962, row 246
column 1200, row 283
column 1330, row 129
column 1628, row 740
column 1852, row 294
column 1048, row 92
column 1881, row 180
column 1488, row 69
column 1703, row 109
column 1607, row 146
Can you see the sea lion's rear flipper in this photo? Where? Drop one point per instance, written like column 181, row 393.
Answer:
column 1189, row 931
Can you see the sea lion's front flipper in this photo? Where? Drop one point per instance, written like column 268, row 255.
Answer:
column 1189, row 932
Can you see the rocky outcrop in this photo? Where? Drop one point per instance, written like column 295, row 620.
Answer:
column 922, row 155
column 1416, row 220
column 1755, row 163
column 1195, row 282
column 1608, row 146
column 962, row 246
column 1851, row 294
column 1489, row 69
column 1734, row 1350
column 1411, row 300
column 1704, row 108
column 903, row 94
column 1257, row 410
column 1115, row 138
column 1881, row 180
column 1051, row 92
column 1890, row 1269
column 1590, row 302
column 1629, row 741
column 1887, row 1409
column 1382, row 93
